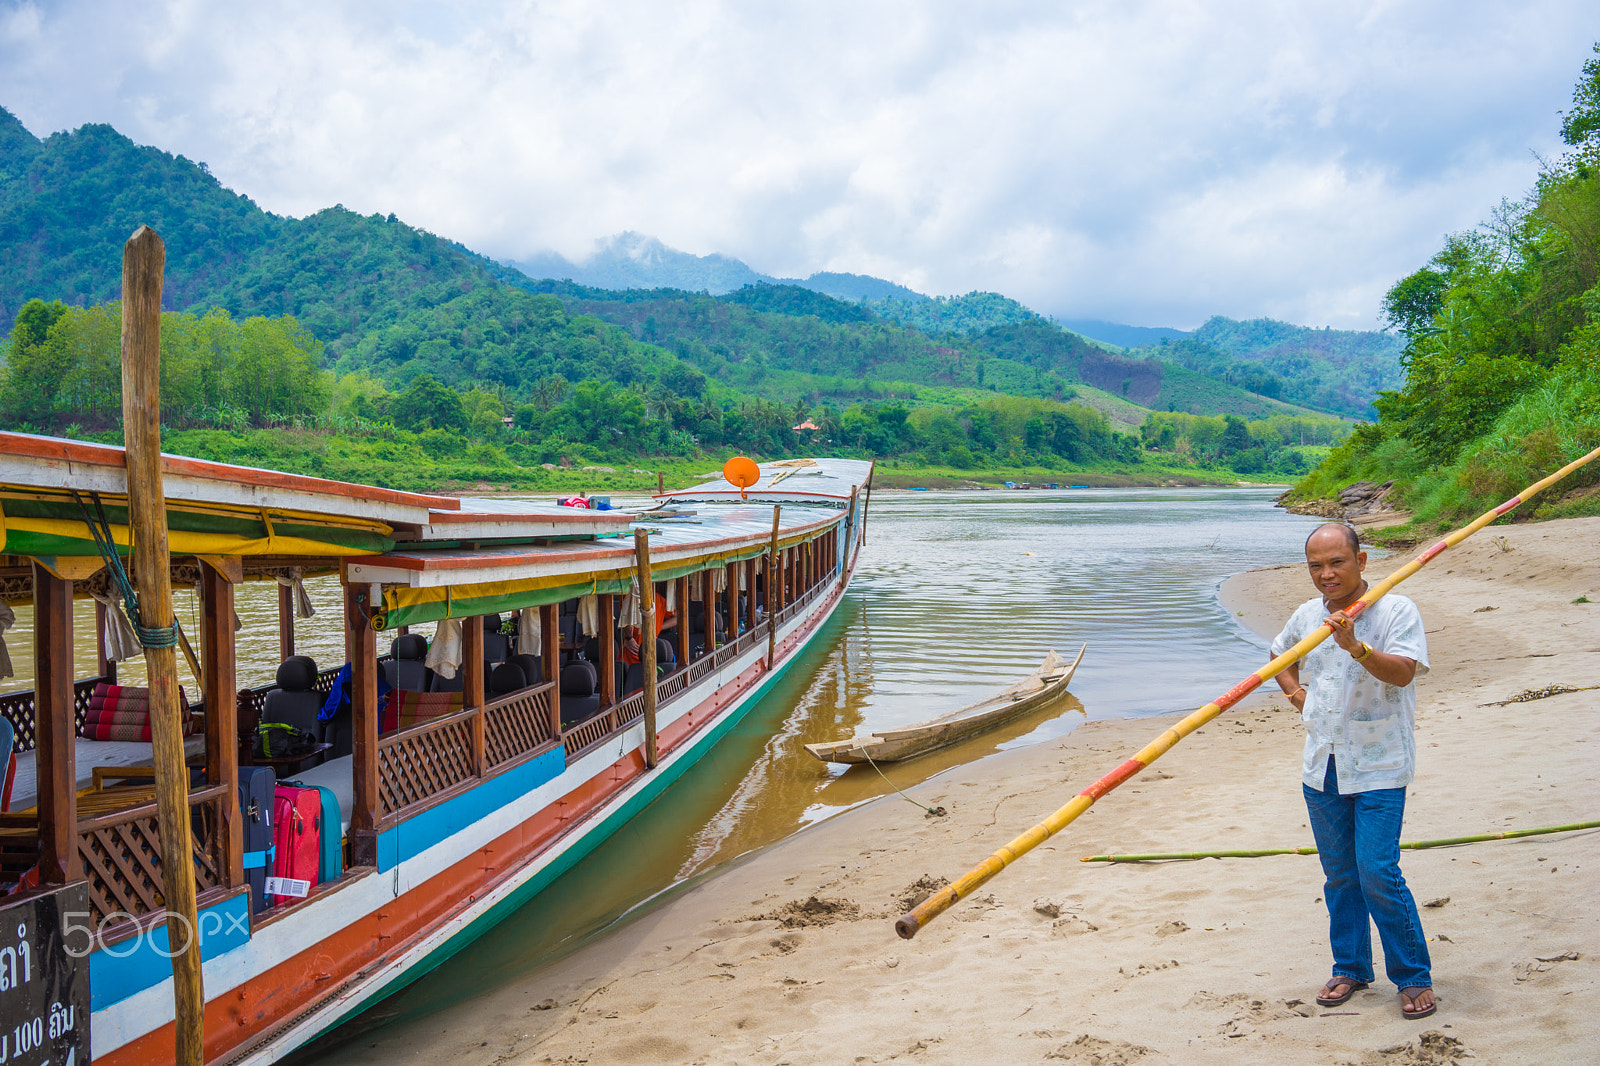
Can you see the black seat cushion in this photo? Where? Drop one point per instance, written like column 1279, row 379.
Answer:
column 294, row 702
column 577, row 679
column 531, row 665
column 507, row 678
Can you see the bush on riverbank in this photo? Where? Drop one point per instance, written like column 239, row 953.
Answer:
column 1502, row 355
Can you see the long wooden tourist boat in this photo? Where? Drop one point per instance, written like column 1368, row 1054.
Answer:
column 893, row 745
column 448, row 824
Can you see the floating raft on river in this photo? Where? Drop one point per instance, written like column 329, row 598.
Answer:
column 892, row 745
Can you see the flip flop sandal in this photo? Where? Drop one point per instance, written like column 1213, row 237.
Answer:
column 1415, row 1014
column 1350, row 989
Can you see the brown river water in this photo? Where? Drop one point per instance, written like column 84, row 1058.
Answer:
column 956, row 595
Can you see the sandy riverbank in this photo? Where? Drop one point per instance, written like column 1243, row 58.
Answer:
column 791, row 957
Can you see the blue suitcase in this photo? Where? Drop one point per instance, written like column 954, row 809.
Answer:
column 256, row 785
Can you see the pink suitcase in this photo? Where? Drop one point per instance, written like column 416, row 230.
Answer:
column 296, row 836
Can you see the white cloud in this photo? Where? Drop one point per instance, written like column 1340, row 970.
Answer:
column 1153, row 162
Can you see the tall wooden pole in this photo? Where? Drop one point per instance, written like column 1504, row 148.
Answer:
column 285, row 622
column 366, row 806
column 53, row 729
column 647, row 642
column 219, row 684
column 608, row 652
column 144, row 258
column 472, row 684
column 772, row 587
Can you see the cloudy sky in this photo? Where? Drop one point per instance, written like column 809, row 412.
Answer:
column 1151, row 163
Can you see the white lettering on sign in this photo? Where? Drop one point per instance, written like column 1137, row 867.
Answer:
column 287, row 886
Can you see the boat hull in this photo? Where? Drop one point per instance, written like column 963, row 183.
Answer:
column 427, row 908
column 900, row 744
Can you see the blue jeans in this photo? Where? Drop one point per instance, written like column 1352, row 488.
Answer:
column 1358, row 841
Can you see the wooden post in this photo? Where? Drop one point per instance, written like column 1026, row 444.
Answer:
column 550, row 633
column 143, row 260
column 708, row 596
column 285, row 622
column 105, row 667
column 661, row 483
column 732, row 578
column 850, row 535
column 647, row 641
column 54, row 729
column 220, row 689
column 772, row 586
column 866, row 502
column 472, row 684
column 683, row 621
column 608, row 651
column 366, row 811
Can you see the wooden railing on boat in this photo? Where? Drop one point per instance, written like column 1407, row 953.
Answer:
column 121, row 853
column 581, row 738
column 17, row 708
column 426, row 764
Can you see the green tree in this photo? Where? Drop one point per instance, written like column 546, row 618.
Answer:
column 429, row 404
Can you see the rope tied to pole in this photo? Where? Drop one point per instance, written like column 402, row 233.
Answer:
column 100, row 531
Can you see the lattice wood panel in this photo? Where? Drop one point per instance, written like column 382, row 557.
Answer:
column 121, row 855
column 419, row 762
column 587, row 733
column 18, row 709
column 675, row 683
column 516, row 725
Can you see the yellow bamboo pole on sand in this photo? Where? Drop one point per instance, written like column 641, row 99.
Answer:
column 911, row 922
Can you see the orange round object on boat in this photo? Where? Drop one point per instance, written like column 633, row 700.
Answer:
column 741, row 471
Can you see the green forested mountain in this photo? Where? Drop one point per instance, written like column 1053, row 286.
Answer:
column 1502, row 351
column 1333, row 370
column 341, row 343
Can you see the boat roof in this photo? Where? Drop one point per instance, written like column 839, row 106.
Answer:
column 675, row 537
column 788, row 481
column 403, row 538
column 31, row 463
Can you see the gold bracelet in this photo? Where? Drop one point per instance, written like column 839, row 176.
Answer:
column 1366, row 653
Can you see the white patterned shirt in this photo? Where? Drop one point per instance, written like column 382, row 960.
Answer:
column 1365, row 724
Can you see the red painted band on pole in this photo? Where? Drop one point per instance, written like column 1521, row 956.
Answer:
column 1239, row 691
column 1113, row 779
column 1504, row 507
column 1427, row 556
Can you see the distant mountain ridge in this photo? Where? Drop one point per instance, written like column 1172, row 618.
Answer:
column 386, row 297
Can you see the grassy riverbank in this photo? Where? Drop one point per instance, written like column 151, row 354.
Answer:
column 417, row 462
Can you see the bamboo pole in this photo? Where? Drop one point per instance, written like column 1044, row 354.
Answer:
column 772, row 586
column 143, row 260
column 936, row 904
column 1415, row 845
column 647, row 642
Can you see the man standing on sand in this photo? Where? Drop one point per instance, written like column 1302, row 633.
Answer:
column 1357, row 698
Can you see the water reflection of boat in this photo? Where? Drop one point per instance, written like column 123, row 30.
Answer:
column 456, row 799
column 892, row 745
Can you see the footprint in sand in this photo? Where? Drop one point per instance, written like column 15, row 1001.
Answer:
column 799, row 914
column 1072, row 925
column 1093, row 1051
column 1173, row 928
column 1432, row 1048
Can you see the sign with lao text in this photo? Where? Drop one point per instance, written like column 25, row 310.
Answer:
column 44, row 985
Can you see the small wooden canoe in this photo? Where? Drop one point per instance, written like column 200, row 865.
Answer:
column 892, row 745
